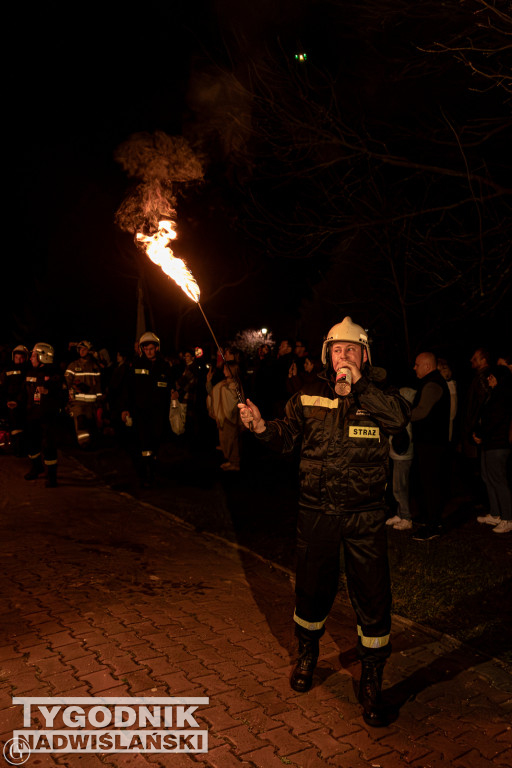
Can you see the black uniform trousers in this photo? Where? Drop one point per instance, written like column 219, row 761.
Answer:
column 41, row 438
column 363, row 537
column 150, row 427
column 429, row 463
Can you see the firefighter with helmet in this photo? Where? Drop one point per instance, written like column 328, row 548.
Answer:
column 343, row 421
column 12, row 388
column 146, row 401
column 83, row 379
column 45, row 392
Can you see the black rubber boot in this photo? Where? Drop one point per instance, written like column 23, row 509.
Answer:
column 51, row 476
column 36, row 469
column 301, row 678
column 370, row 696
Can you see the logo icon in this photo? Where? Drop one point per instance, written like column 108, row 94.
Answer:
column 17, row 750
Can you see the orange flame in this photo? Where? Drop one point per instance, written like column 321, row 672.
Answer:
column 159, row 251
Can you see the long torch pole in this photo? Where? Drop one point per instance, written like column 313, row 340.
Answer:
column 161, row 241
column 219, row 348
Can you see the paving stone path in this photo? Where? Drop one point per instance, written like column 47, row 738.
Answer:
column 105, row 596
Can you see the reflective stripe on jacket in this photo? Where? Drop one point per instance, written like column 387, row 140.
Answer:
column 345, row 447
column 47, row 404
column 83, row 378
column 148, row 386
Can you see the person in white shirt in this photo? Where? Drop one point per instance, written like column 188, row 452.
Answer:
column 402, row 462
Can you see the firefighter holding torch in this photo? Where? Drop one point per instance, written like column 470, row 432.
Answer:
column 343, row 421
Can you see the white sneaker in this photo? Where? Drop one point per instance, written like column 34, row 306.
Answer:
column 489, row 519
column 402, row 525
column 393, row 520
column 504, row 527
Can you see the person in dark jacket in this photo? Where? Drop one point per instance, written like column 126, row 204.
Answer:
column 115, row 391
column 12, row 389
column 83, row 378
column 146, row 402
column 343, row 472
column 475, row 398
column 261, row 384
column 298, row 377
column 430, row 418
column 280, row 371
column 45, row 396
column 494, row 435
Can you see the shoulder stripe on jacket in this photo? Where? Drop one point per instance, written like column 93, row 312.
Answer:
column 322, row 402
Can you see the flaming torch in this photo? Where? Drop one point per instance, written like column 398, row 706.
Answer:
column 158, row 248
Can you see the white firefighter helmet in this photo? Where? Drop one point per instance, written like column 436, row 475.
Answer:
column 20, row 350
column 86, row 344
column 149, row 338
column 44, row 352
column 346, row 331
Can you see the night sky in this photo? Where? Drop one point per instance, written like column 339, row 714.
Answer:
column 271, row 239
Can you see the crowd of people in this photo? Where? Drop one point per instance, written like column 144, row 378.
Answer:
column 349, row 426
column 153, row 397
column 143, row 397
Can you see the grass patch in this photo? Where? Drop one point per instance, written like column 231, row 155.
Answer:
column 459, row 584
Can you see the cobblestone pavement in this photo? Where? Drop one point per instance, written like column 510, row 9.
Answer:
column 104, row 595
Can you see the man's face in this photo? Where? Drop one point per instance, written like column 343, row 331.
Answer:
column 421, row 367
column 444, row 370
column 34, row 359
column 284, row 348
column 343, row 352
column 150, row 351
column 188, row 358
column 477, row 361
column 300, row 349
column 83, row 351
column 19, row 358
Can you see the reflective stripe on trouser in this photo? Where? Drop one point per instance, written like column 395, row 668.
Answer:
column 16, row 418
column 84, row 419
column 311, row 626
column 41, row 439
column 362, row 536
column 149, row 428
column 372, row 642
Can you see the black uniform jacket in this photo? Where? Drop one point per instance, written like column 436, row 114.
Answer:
column 46, row 405
column 345, row 447
column 12, row 383
column 148, row 386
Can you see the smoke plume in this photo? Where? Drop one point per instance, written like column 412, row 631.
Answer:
column 161, row 164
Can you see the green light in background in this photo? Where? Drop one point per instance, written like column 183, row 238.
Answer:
column 301, row 57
